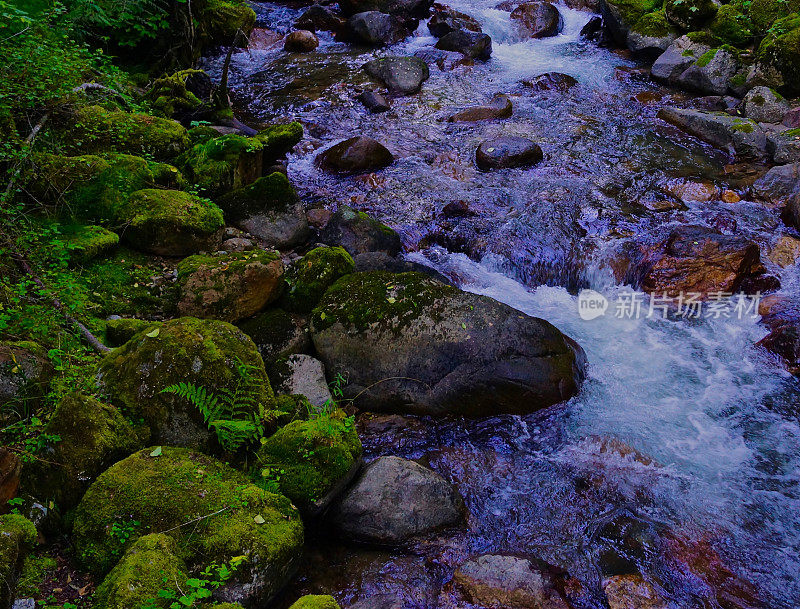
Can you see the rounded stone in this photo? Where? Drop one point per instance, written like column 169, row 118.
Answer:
column 507, row 152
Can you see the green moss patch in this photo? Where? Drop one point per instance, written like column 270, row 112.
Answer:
column 270, row 193
column 212, row 511
column 732, row 26
column 653, row 24
column 309, row 277
column 781, row 49
column 306, row 459
column 315, row 601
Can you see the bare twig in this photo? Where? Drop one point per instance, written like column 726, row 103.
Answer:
column 188, row 522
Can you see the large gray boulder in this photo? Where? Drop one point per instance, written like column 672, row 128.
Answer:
column 784, row 146
column 710, row 74
column 358, row 233
column 376, row 28
column 474, row 45
column 676, row 59
column 537, row 19
column 394, row 501
column 764, row 105
column 411, row 344
column 401, row 75
column 407, row 8
column 358, row 154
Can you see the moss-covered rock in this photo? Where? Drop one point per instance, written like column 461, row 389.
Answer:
column 150, row 564
column 207, row 353
column 85, row 243
column 220, row 20
column 92, row 436
column 94, row 187
column 211, row 510
column 780, row 50
column 17, row 538
column 732, row 26
column 309, row 460
column 25, row 373
column 653, row 25
column 169, row 96
column 230, row 287
column 409, row 343
column 269, row 193
column 93, row 129
column 169, row 222
column 690, row 15
column 358, row 233
column 120, row 331
column 32, row 575
column 220, row 164
column 764, row 13
column 315, row 601
column 278, row 334
column 309, row 277
column 621, row 15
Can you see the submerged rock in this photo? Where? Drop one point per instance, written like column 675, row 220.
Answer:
column 696, row 259
column 300, row 41
column 632, row 592
column 359, row 154
column 401, row 75
column 551, row 81
column 368, row 512
column 161, row 489
column 312, row 460
column 231, row 287
column 474, row 45
column 507, row 152
column 408, row 343
column 494, row 580
column 358, row 233
column 206, row 353
column 499, row 107
column 374, row 102
column 537, row 19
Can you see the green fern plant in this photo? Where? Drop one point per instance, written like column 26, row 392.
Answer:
column 233, row 414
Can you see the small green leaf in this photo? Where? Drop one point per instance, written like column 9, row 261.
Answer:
column 259, row 519
column 391, row 300
column 153, row 333
column 156, row 452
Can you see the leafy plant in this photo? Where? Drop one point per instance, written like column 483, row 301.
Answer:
column 197, row 589
column 232, row 413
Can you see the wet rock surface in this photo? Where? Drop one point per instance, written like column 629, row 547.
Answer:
column 507, row 152
column 538, row 19
column 401, row 75
column 359, row 154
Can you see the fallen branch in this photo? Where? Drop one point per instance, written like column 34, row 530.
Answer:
column 93, row 341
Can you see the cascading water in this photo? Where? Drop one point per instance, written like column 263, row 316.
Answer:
column 712, row 417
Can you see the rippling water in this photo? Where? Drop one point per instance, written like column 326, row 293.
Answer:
column 714, row 418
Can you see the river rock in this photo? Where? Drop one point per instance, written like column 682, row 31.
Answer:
column 358, row 233
column 786, row 251
column 700, row 260
column 368, row 511
column 401, row 75
column 320, row 18
column 507, row 581
column 780, row 188
column 305, row 375
column 784, row 341
column 374, row 102
column 204, row 352
column 764, row 105
column 446, row 20
column 676, row 59
column 435, row 350
column 25, row 372
column 729, row 133
column 784, row 146
column 632, row 592
column 359, row 154
column 711, row 75
column 231, row 287
column 537, row 19
column 792, row 119
column 650, row 45
column 376, row 28
column 551, row 81
column 499, row 107
column 300, row 41
column 474, row 45
column 507, row 152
